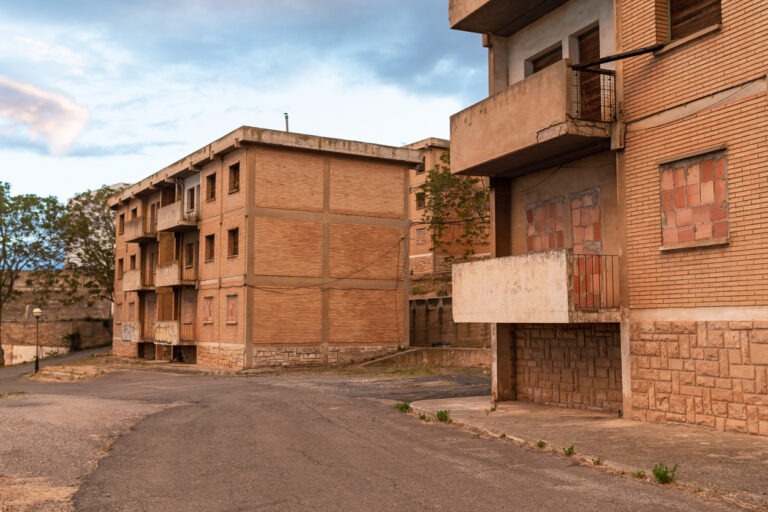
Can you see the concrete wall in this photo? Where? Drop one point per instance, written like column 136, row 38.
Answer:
column 432, row 325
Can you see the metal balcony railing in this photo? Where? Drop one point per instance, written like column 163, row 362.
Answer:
column 595, row 281
column 593, row 95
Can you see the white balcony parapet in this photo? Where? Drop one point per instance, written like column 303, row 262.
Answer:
column 541, row 287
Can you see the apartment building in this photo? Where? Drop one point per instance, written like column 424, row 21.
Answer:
column 266, row 248
column 625, row 143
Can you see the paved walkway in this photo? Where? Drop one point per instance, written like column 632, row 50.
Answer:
column 733, row 466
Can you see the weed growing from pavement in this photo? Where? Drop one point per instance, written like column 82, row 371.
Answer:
column 663, row 473
column 639, row 474
column 403, row 406
column 12, row 393
column 597, row 461
column 541, row 444
column 443, row 415
column 503, row 435
column 423, row 417
column 568, row 451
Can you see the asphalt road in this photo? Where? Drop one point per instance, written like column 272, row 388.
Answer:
column 320, row 442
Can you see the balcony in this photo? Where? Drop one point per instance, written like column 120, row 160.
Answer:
column 554, row 116
column 140, row 230
column 172, row 332
column 173, row 218
column 130, row 331
column 136, row 281
column 544, row 287
column 172, row 274
column 499, row 17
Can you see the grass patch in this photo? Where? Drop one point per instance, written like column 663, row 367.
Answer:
column 568, row 451
column 597, row 461
column 663, row 473
column 403, row 406
column 12, row 393
column 639, row 474
column 541, row 444
column 423, row 417
column 443, row 415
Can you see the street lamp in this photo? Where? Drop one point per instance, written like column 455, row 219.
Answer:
column 36, row 313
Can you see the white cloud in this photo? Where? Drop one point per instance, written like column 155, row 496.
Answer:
column 45, row 114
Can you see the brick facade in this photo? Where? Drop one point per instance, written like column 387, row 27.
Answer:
column 300, row 260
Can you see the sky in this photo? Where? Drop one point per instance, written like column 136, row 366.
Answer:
column 97, row 92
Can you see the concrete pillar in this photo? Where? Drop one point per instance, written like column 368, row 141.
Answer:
column 498, row 63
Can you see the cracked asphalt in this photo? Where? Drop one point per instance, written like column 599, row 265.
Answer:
column 137, row 440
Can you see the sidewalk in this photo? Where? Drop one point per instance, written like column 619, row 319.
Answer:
column 732, row 466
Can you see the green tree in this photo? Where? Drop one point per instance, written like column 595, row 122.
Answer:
column 90, row 236
column 31, row 238
column 456, row 210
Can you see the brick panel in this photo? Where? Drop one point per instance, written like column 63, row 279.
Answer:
column 361, row 187
column 290, row 180
column 372, row 317
column 366, row 252
column 288, row 247
column 283, row 315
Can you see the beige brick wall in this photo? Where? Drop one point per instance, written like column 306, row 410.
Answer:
column 373, row 317
column 360, row 187
column 287, row 316
column 366, row 252
column 288, row 247
column 569, row 365
column 713, row 374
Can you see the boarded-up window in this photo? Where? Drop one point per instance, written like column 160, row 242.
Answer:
column 694, row 201
column 207, row 310
column 689, row 16
column 421, row 236
column 421, row 200
column 231, row 309
column 210, row 187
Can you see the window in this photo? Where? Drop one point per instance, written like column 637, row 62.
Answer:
column 694, row 202
column 210, row 187
column 168, row 196
column 132, row 265
column 207, row 310
column 233, row 240
column 231, row 309
column 209, row 247
column 131, row 311
column 421, row 200
column 120, row 268
column 189, row 255
column 544, row 224
column 121, row 224
column 544, row 60
column 190, row 199
column 687, row 17
column 134, row 213
column 234, row 177
column 119, row 312
column 421, row 236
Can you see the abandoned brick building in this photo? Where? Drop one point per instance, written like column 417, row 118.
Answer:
column 266, row 248
column 625, row 141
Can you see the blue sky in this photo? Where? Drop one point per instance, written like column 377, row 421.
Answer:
column 98, row 92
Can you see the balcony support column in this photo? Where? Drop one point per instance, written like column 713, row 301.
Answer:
column 498, row 63
column 503, row 379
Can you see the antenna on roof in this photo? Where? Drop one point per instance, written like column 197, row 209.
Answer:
column 286, row 121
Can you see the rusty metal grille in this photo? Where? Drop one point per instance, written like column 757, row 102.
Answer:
column 593, row 95
column 595, row 281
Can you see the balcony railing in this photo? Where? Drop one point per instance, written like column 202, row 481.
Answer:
column 542, row 287
column 136, row 280
column 593, row 95
column 595, row 281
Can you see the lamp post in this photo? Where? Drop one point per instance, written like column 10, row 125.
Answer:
column 36, row 313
